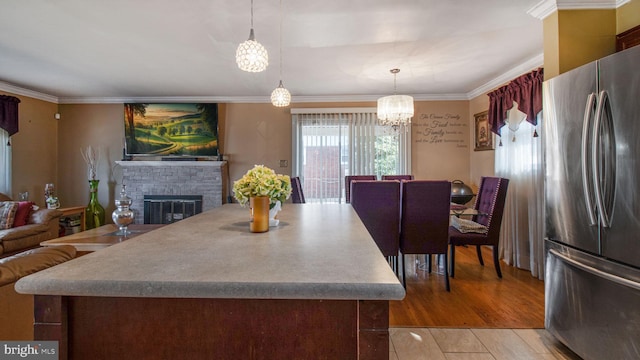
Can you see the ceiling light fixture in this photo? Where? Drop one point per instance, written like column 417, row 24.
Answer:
column 251, row 56
column 395, row 110
column 280, row 97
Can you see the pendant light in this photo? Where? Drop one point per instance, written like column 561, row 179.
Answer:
column 395, row 110
column 251, row 56
column 280, row 97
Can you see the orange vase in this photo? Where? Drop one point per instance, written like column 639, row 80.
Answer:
column 259, row 208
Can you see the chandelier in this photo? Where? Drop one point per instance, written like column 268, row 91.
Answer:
column 251, row 56
column 395, row 110
column 280, row 97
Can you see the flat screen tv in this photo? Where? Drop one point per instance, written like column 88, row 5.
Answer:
column 171, row 129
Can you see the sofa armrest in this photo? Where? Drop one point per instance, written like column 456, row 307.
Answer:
column 17, row 266
column 44, row 216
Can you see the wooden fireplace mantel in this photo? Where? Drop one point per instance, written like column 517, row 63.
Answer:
column 134, row 163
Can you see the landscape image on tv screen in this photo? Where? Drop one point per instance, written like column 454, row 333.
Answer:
column 171, row 129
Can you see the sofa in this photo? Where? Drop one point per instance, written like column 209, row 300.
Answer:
column 16, row 310
column 24, row 226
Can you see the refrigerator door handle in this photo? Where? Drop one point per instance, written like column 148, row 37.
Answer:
column 617, row 279
column 586, row 187
column 596, row 157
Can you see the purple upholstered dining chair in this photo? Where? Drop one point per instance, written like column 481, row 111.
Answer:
column 397, row 177
column 297, row 195
column 424, row 224
column 377, row 203
column 490, row 206
column 347, row 184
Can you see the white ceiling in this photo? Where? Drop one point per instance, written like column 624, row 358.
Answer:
column 333, row 50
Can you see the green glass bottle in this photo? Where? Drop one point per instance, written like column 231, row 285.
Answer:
column 94, row 214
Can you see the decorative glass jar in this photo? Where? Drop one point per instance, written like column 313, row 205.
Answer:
column 123, row 216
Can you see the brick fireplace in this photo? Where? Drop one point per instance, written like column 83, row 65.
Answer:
column 204, row 178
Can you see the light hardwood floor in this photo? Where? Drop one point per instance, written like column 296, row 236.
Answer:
column 478, row 298
column 483, row 317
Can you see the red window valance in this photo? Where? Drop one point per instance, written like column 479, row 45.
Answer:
column 526, row 90
column 9, row 113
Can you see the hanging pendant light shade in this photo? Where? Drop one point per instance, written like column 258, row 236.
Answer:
column 251, row 56
column 280, row 97
column 395, row 110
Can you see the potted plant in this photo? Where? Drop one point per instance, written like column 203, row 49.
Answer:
column 262, row 184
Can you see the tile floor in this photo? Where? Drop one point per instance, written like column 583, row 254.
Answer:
column 475, row 344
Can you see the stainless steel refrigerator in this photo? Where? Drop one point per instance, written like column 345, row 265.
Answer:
column 591, row 136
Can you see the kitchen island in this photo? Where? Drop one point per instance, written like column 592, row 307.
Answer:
column 316, row 286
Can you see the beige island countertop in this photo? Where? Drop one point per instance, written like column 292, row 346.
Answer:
column 314, row 287
column 319, row 251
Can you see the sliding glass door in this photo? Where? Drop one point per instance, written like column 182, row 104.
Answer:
column 329, row 145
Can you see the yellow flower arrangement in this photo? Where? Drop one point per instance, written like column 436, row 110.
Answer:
column 262, row 181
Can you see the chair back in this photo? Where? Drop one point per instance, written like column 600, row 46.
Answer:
column 347, row 184
column 397, row 177
column 424, row 225
column 297, row 196
column 377, row 203
column 490, row 203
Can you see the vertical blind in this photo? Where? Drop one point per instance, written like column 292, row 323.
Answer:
column 329, row 144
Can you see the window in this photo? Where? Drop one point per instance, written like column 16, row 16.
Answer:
column 5, row 163
column 329, row 144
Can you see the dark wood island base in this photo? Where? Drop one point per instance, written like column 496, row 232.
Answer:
column 188, row 328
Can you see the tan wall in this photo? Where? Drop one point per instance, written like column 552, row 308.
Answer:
column 34, row 148
column 440, row 140
column 482, row 163
column 257, row 134
column 628, row 16
column 551, row 46
column 102, row 127
column 261, row 134
column 250, row 134
column 580, row 36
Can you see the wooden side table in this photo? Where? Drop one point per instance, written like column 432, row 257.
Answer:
column 77, row 210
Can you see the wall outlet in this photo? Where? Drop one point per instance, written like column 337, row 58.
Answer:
column 284, row 163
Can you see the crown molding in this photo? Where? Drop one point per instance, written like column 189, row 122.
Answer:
column 523, row 68
column 163, row 99
column 547, row 7
column 26, row 92
column 248, row 99
column 543, row 9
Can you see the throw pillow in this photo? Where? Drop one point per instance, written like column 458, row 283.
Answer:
column 22, row 214
column 7, row 214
